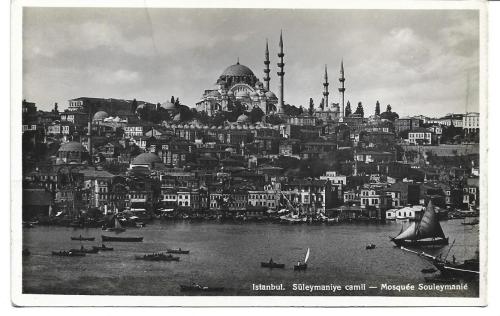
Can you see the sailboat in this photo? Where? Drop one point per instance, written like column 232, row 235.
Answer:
column 300, row 265
column 426, row 232
column 118, row 227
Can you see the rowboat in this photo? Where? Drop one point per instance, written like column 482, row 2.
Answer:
column 271, row 264
column 157, row 257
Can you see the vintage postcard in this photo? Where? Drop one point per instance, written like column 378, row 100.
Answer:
column 180, row 155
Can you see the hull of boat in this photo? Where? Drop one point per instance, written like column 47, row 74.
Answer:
column 300, row 267
column 179, row 252
column 157, row 258
column 272, row 265
column 122, row 239
column 420, row 243
column 83, row 238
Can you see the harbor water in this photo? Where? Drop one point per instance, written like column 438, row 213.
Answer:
column 229, row 255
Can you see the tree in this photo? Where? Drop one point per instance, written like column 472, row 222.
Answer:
column 389, row 108
column 347, row 111
column 256, row 114
column 311, row 106
column 177, row 102
column 322, row 104
column 359, row 109
column 172, row 100
column 133, row 107
column 377, row 108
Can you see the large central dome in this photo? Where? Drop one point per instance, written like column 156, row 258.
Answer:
column 237, row 70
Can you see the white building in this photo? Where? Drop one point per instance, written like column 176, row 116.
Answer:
column 409, row 212
column 471, row 122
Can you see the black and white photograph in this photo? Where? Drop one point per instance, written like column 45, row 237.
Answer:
column 237, row 155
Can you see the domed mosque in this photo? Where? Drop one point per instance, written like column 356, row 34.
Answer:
column 239, row 83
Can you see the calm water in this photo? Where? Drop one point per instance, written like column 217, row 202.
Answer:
column 229, row 255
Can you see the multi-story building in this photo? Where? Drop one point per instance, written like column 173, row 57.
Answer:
column 471, row 123
column 421, row 136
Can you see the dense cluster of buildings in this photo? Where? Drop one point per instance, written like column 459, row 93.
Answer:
column 100, row 154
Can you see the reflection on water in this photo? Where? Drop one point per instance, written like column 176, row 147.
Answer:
column 229, row 255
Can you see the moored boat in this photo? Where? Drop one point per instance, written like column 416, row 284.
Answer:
column 178, row 251
column 121, row 239
column 157, row 257
column 426, row 232
column 118, row 228
column 80, row 238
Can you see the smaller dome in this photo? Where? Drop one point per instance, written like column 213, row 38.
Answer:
column 214, row 94
column 254, row 94
column 270, row 95
column 230, row 92
column 177, row 118
column 100, row 115
column 72, row 146
column 146, row 158
column 242, row 118
column 168, row 106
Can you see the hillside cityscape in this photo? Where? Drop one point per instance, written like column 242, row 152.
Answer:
column 226, row 178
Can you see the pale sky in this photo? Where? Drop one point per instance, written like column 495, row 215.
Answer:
column 420, row 62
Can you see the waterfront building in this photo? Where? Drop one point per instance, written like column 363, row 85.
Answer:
column 409, row 212
column 36, row 203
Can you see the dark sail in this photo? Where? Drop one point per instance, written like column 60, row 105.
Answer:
column 428, row 227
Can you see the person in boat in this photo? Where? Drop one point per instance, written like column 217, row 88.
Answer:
column 271, row 260
column 454, row 259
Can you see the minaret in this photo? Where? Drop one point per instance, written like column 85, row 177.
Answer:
column 89, row 134
column 266, row 70
column 325, row 90
column 281, row 75
column 342, row 88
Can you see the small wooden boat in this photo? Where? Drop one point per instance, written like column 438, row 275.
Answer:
column 26, row 252
column 157, row 257
column 428, row 270
column 64, row 253
column 103, row 248
column 302, row 266
column 273, row 265
column 85, row 250
column 80, row 238
column 178, row 251
column 200, row 288
column 370, row 246
column 121, row 239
